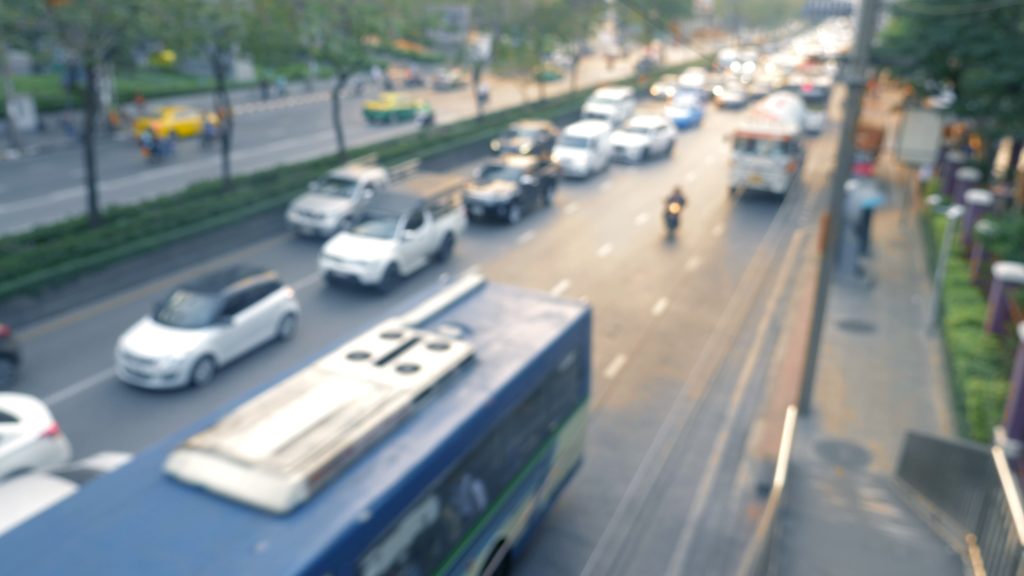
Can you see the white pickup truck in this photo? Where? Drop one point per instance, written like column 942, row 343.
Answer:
column 329, row 202
column 398, row 232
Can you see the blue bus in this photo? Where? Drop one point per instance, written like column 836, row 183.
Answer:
column 431, row 444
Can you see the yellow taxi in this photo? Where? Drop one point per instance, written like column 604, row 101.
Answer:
column 177, row 121
column 394, row 107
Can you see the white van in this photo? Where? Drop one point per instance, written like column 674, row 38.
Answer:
column 612, row 104
column 583, row 149
column 767, row 146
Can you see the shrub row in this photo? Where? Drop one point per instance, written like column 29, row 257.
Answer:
column 53, row 254
column 979, row 362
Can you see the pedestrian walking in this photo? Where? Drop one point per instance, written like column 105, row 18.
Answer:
column 209, row 133
column 483, row 93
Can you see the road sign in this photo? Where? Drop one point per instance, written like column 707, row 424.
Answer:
column 21, row 109
column 919, row 137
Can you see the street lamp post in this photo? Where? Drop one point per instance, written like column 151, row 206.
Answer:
column 855, row 80
column 953, row 215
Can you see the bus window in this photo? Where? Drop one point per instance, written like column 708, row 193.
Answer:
column 470, row 488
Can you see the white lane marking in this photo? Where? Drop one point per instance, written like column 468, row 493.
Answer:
column 571, row 208
column 306, row 281
column 605, row 250
column 717, row 230
column 615, row 366
column 79, row 387
column 526, row 237
column 641, row 218
column 692, row 264
column 659, row 307
column 561, row 287
column 691, row 177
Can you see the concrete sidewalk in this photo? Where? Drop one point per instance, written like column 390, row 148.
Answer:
column 880, row 374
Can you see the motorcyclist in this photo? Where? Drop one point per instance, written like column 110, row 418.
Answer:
column 676, row 197
column 673, row 209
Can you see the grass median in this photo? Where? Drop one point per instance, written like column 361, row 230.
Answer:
column 55, row 254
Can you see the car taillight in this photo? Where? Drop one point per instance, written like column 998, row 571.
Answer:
column 52, row 431
column 5, row 330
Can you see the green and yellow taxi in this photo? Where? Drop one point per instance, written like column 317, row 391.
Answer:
column 395, row 107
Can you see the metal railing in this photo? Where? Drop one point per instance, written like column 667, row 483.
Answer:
column 973, row 486
column 759, row 558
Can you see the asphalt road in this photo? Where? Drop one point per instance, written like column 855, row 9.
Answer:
column 48, row 188
column 679, row 340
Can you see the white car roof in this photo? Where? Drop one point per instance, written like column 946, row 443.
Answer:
column 646, row 121
column 614, row 93
column 29, row 412
column 587, row 128
column 353, row 171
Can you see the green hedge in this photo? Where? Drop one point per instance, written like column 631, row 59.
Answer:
column 979, row 362
column 50, row 94
column 53, row 254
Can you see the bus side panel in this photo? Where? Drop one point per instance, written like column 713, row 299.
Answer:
column 535, row 495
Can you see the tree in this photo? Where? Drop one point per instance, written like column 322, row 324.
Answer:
column 93, row 32
column 336, row 33
column 974, row 51
column 655, row 17
column 573, row 24
column 217, row 30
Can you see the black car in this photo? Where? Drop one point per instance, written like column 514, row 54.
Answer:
column 509, row 185
column 527, row 137
column 10, row 357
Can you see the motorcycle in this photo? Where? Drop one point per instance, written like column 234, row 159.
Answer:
column 673, row 210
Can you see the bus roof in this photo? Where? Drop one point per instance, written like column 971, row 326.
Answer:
column 140, row 521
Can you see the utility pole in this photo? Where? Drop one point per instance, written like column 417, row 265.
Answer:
column 855, row 76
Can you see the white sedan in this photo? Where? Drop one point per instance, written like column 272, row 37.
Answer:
column 205, row 324
column 643, row 136
column 30, row 438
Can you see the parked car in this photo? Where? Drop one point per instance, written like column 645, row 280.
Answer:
column 508, row 186
column 642, row 137
column 10, row 357
column 686, row 110
column 450, row 79
column 665, row 87
column 330, row 201
column 531, row 137
column 394, row 107
column 612, row 104
column 30, row 437
column 177, row 121
column 205, row 324
column 583, row 149
column 26, row 496
column 398, row 232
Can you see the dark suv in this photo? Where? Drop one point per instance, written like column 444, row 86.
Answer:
column 527, row 137
column 507, row 186
column 10, row 357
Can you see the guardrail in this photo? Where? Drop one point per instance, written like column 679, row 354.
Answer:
column 973, row 486
column 759, row 558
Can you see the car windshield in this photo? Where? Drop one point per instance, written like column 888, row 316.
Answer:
column 187, row 309
column 605, row 101
column 335, row 186
column 641, row 130
column 762, row 147
column 521, row 133
column 499, row 172
column 686, row 100
column 573, row 142
column 375, row 225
